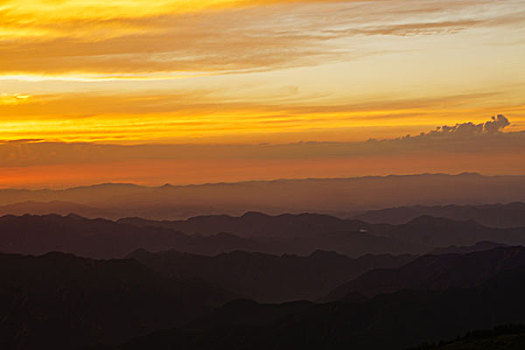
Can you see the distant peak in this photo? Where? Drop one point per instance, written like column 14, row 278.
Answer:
column 325, row 253
column 74, row 216
column 428, row 219
column 470, row 174
column 423, row 219
column 254, row 214
column 139, row 253
column 110, row 184
column 58, row 255
column 105, row 185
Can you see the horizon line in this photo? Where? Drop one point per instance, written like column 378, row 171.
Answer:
column 167, row 184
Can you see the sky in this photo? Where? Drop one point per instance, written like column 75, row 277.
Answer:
column 186, row 91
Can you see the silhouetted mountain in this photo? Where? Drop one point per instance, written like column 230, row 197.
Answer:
column 268, row 278
column 302, row 235
column 390, row 321
column 102, row 238
column 434, row 272
column 54, row 207
column 329, row 233
column 480, row 246
column 423, row 231
column 59, row 301
column 439, row 232
column 29, row 234
column 279, row 196
column 82, row 301
column 494, row 215
column 253, row 224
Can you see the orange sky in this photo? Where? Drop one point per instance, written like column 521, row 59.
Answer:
column 247, row 72
column 148, row 172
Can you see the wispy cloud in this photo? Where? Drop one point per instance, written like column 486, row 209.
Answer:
column 467, row 138
column 219, row 116
column 134, row 38
column 187, row 71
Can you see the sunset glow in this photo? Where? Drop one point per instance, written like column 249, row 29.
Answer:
column 245, row 72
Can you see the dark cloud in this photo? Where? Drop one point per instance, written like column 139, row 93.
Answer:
column 460, row 138
column 460, row 130
column 496, row 125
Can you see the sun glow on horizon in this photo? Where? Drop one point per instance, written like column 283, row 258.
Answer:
column 249, row 72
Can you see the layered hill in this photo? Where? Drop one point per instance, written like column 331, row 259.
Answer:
column 255, row 224
column 342, row 195
column 421, row 232
column 434, row 272
column 495, row 215
column 299, row 234
column 397, row 320
column 99, row 238
column 61, row 301
column 268, row 278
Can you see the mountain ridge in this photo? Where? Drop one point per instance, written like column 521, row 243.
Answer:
column 265, row 277
column 434, row 272
column 336, row 195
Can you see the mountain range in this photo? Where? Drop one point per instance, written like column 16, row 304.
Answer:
column 397, row 320
column 62, row 301
column 339, row 196
column 299, row 234
column 268, row 278
column 100, row 238
column 434, row 272
column 259, row 281
column 494, row 215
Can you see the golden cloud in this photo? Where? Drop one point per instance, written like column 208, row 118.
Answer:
column 77, row 37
